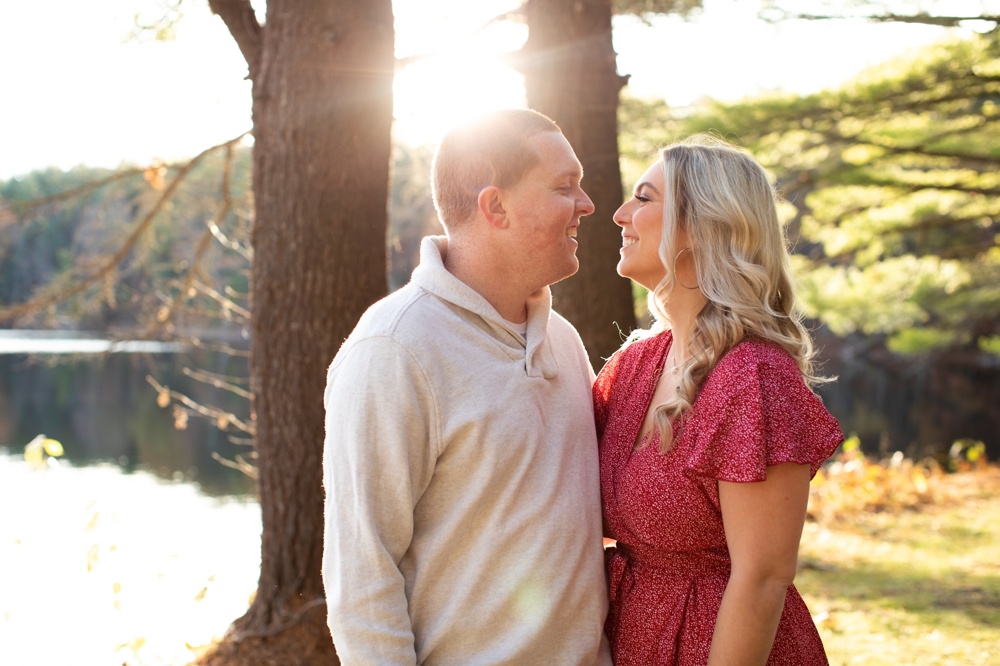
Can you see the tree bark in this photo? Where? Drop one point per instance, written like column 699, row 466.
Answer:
column 571, row 76
column 322, row 114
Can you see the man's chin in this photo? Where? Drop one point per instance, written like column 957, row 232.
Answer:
column 571, row 272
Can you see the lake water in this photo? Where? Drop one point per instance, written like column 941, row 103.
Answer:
column 94, row 396
column 136, row 547
column 106, row 567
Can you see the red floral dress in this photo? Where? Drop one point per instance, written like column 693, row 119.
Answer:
column 671, row 565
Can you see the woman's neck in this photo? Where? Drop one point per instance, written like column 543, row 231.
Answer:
column 683, row 315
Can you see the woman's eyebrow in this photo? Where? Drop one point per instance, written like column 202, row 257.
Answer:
column 647, row 185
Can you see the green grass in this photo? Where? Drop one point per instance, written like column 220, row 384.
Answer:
column 918, row 586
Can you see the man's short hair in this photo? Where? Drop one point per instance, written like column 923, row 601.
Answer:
column 490, row 150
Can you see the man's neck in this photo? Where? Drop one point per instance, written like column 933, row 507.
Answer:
column 490, row 279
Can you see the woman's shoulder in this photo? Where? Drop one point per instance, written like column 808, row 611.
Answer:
column 758, row 356
column 752, row 362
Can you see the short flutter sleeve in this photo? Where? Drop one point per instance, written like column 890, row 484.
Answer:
column 755, row 411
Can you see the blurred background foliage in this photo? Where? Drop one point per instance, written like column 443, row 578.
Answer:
column 893, row 191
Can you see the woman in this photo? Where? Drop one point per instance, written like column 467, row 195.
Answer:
column 709, row 431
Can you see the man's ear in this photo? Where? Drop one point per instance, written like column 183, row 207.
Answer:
column 490, row 202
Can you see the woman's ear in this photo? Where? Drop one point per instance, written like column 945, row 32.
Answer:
column 490, row 202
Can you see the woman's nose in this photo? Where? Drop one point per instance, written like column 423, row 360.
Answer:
column 621, row 215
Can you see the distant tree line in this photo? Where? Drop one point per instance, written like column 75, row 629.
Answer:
column 57, row 226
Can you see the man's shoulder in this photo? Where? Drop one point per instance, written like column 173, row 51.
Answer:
column 391, row 329
column 563, row 335
column 560, row 324
column 392, row 314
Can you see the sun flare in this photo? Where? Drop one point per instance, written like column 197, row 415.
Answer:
column 455, row 81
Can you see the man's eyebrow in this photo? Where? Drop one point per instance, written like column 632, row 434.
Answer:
column 572, row 172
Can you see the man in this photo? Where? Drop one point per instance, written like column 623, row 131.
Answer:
column 463, row 520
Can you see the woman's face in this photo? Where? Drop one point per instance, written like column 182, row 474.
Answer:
column 641, row 220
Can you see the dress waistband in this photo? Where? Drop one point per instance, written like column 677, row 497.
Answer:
column 623, row 563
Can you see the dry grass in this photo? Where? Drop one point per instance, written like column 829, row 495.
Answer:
column 901, row 564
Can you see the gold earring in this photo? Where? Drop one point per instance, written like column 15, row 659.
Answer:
column 676, row 276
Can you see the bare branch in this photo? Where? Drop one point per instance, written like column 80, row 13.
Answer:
column 228, row 305
column 239, row 636
column 106, row 266
column 218, row 415
column 240, row 464
column 239, row 17
column 514, row 16
column 235, row 246
column 229, row 350
column 217, row 382
column 30, row 204
column 167, row 312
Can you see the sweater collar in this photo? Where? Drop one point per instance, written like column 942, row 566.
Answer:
column 433, row 277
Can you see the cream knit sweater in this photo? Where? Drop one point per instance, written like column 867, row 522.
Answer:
column 463, row 517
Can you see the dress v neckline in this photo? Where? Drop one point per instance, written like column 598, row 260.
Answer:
column 636, row 444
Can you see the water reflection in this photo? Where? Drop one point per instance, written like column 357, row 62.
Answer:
column 144, row 570
column 101, row 407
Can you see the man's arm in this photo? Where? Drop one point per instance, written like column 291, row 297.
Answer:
column 378, row 459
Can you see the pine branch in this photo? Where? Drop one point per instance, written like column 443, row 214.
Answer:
column 775, row 14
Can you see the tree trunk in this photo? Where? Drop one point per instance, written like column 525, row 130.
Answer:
column 571, row 76
column 322, row 113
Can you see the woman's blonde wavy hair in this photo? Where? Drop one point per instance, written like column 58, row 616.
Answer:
column 725, row 202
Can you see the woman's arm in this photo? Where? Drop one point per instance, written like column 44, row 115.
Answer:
column 763, row 523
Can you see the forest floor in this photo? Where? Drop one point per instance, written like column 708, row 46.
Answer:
column 902, row 565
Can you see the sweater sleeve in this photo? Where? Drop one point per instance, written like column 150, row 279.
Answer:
column 378, row 459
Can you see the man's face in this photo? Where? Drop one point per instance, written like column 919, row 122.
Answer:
column 545, row 210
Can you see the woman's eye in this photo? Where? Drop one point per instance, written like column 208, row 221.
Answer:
column 641, row 199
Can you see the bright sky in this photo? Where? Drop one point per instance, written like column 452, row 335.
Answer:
column 76, row 91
